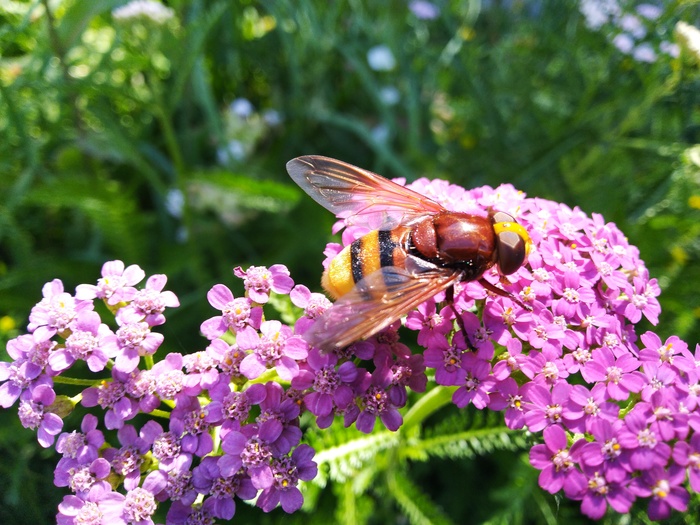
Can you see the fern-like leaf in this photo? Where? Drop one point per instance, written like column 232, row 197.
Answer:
column 419, row 509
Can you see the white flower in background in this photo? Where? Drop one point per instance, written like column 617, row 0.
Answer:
column 380, row 58
column 633, row 33
column 380, row 133
column 632, row 25
column 670, row 48
column 272, row 117
column 174, row 202
column 624, row 42
column 241, row 107
column 424, row 10
column 689, row 38
column 644, row 53
column 233, row 150
column 598, row 12
column 155, row 11
column 389, row 95
column 649, row 11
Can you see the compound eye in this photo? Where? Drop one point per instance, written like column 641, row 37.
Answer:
column 501, row 216
column 512, row 250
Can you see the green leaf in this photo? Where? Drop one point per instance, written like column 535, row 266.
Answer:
column 419, row 509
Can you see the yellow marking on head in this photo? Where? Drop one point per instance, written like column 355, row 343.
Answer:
column 500, row 227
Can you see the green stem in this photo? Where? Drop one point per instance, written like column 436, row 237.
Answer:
column 427, row 405
column 266, row 377
column 160, row 413
column 166, row 125
column 75, row 381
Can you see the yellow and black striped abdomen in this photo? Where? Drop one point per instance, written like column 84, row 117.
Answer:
column 378, row 249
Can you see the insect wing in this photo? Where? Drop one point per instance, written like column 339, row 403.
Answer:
column 358, row 195
column 374, row 303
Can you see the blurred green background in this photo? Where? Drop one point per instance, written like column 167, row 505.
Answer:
column 162, row 142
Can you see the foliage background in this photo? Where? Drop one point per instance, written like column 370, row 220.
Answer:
column 133, row 141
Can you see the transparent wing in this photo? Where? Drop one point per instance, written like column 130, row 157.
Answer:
column 358, row 195
column 374, row 303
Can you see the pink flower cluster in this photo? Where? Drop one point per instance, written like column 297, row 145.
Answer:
column 617, row 410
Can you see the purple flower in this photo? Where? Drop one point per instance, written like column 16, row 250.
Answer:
column 55, row 313
column 546, row 370
column 140, row 503
column 141, row 387
column 111, row 395
column 545, row 408
column 558, row 462
column 170, row 379
column 477, row 383
column 132, row 341
column 406, row 372
column 34, row 413
column 507, row 395
column 276, row 346
column 642, row 299
column 82, row 446
column 432, row 326
column 658, row 377
column 645, row 445
column 166, row 448
column 231, row 409
column 666, row 353
column 314, row 304
column 88, row 341
column 688, row 455
column 115, row 286
column 605, row 453
column 543, row 333
column 127, row 460
column 189, row 420
column 246, row 449
column 664, row 486
column 81, row 477
column 278, row 423
column 574, row 296
column 286, row 473
column 27, row 369
column 510, row 360
column 149, row 303
column 259, row 281
column 375, row 402
column 208, row 480
column 228, row 358
column 619, row 375
column 328, row 385
column 446, row 359
column 585, row 406
column 600, row 492
column 236, row 313
column 100, row 506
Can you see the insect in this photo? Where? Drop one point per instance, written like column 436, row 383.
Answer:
column 416, row 249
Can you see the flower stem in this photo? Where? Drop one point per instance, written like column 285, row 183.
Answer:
column 76, row 381
column 430, row 403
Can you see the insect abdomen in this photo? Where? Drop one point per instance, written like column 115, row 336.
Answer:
column 378, row 249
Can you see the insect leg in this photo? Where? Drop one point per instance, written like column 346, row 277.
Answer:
column 450, row 300
column 498, row 291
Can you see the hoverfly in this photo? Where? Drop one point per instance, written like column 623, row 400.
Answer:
column 417, row 250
